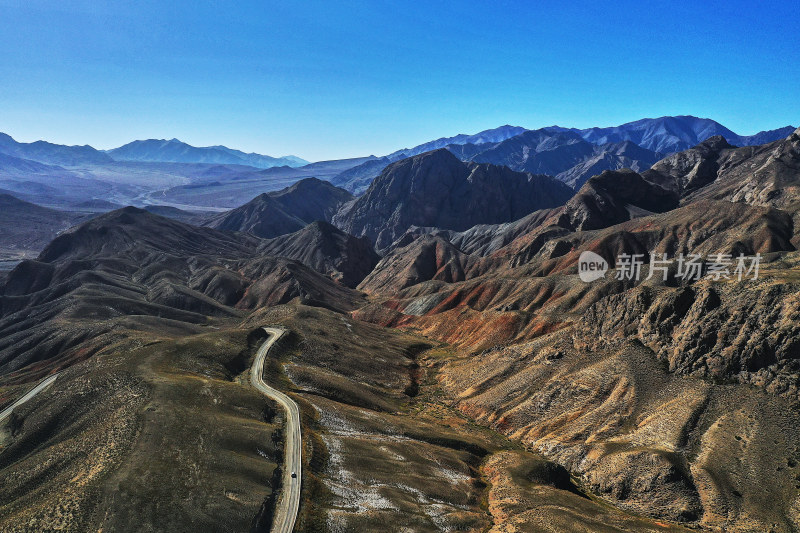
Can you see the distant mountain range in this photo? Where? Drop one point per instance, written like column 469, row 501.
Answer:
column 494, row 135
column 565, row 155
column 143, row 173
column 175, row 151
column 52, row 154
column 151, row 150
column 674, row 134
column 26, row 228
column 358, row 178
column 572, row 155
column 663, row 135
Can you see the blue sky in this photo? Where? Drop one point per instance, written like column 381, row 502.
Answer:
column 340, row 79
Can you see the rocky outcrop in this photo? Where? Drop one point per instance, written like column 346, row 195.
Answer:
column 687, row 171
column 720, row 332
column 529, row 493
column 649, row 441
column 767, row 175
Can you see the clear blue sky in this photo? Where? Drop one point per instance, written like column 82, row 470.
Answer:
column 322, row 79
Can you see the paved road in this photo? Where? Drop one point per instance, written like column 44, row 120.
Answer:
column 289, row 501
column 31, row 393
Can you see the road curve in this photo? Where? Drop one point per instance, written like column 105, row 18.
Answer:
column 30, row 394
column 289, row 500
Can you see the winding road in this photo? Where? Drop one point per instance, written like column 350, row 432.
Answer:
column 289, row 501
column 30, row 394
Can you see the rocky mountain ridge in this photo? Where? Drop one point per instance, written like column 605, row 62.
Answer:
column 559, row 152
